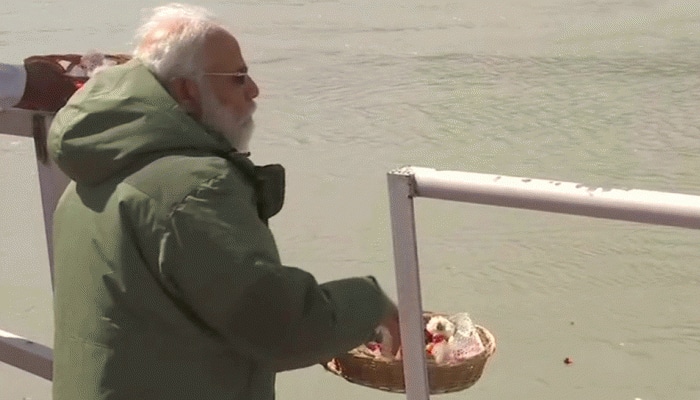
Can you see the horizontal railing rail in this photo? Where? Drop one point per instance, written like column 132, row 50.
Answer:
column 27, row 355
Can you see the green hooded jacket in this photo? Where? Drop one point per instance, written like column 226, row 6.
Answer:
column 168, row 283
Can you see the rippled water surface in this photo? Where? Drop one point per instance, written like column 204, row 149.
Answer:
column 599, row 92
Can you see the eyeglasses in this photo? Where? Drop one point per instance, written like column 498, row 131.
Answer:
column 238, row 77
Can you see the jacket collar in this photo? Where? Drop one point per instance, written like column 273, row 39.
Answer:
column 267, row 180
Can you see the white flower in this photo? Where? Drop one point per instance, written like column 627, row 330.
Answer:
column 442, row 352
column 439, row 325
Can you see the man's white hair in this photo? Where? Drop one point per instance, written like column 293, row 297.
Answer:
column 170, row 43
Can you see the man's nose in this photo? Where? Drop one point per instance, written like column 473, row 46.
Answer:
column 252, row 89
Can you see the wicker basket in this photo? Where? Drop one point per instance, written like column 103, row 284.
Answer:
column 361, row 368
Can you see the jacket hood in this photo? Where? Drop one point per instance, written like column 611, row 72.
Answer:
column 121, row 119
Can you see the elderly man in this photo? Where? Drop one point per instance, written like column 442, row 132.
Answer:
column 168, row 281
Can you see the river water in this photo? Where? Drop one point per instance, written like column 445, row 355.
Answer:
column 599, row 92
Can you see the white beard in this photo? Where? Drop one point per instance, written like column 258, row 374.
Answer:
column 238, row 130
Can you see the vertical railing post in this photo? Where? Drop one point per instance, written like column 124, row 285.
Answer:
column 52, row 183
column 403, row 229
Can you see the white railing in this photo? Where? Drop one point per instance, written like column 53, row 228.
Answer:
column 658, row 208
column 15, row 350
column 406, row 183
column 26, row 355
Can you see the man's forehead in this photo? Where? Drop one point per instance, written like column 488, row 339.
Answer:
column 223, row 54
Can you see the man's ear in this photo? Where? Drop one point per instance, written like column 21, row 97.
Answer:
column 186, row 94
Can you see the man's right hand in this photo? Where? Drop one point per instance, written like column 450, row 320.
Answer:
column 391, row 323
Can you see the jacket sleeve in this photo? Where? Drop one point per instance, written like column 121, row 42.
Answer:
column 220, row 260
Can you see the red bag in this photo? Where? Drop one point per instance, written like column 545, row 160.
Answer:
column 52, row 79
